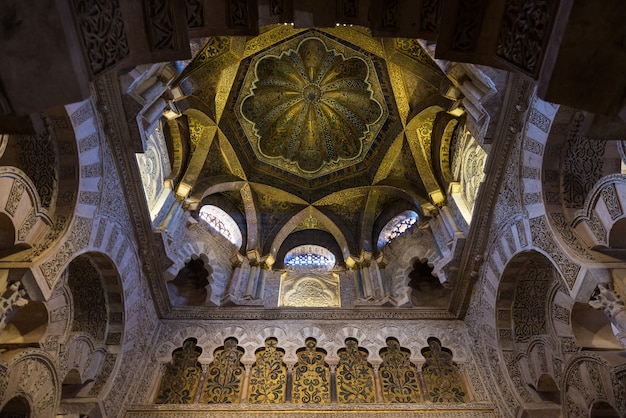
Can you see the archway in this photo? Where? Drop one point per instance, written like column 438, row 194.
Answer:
column 17, row 407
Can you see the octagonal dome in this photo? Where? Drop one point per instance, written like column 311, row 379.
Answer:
column 311, row 105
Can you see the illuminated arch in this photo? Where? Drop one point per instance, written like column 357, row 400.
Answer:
column 222, row 222
column 310, row 256
column 396, row 227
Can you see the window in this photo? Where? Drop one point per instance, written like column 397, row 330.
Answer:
column 222, row 222
column 396, row 227
column 310, row 256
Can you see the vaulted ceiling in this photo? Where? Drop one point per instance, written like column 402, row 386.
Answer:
column 312, row 129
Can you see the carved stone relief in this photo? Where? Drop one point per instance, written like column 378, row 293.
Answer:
column 102, row 33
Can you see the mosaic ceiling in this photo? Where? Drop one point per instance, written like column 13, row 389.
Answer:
column 330, row 118
column 315, row 108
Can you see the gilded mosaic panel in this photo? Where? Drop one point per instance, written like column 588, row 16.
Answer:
column 225, row 374
column 355, row 377
column 311, row 379
column 180, row 381
column 441, row 377
column 311, row 107
column 398, row 376
column 268, row 379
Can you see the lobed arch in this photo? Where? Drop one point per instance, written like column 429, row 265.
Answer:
column 163, row 352
column 193, row 283
column 216, row 264
column 422, row 250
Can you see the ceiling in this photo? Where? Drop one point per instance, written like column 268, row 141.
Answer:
column 311, row 129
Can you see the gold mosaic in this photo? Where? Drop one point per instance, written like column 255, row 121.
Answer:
column 311, row 106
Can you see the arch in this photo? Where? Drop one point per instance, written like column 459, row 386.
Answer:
column 26, row 327
column 97, row 298
column 23, row 218
column 313, row 256
column 391, row 210
column 522, row 321
column 421, row 250
column 311, row 364
column 191, row 286
column 419, row 130
column 399, row 382
column 288, row 229
column 601, row 220
column 396, row 226
column 355, row 375
column 222, row 222
column 268, row 383
column 602, row 409
column 522, row 298
column 16, row 407
column 442, row 378
column 592, row 328
column 17, row 368
column 426, row 289
column 230, row 208
column 599, row 385
column 225, row 374
column 179, row 383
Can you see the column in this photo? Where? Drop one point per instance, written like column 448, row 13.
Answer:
column 366, row 275
column 232, row 290
column 289, row 383
column 379, row 390
column 333, row 382
column 246, row 382
column 253, row 275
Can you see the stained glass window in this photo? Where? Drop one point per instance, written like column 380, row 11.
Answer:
column 222, row 222
column 396, row 227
